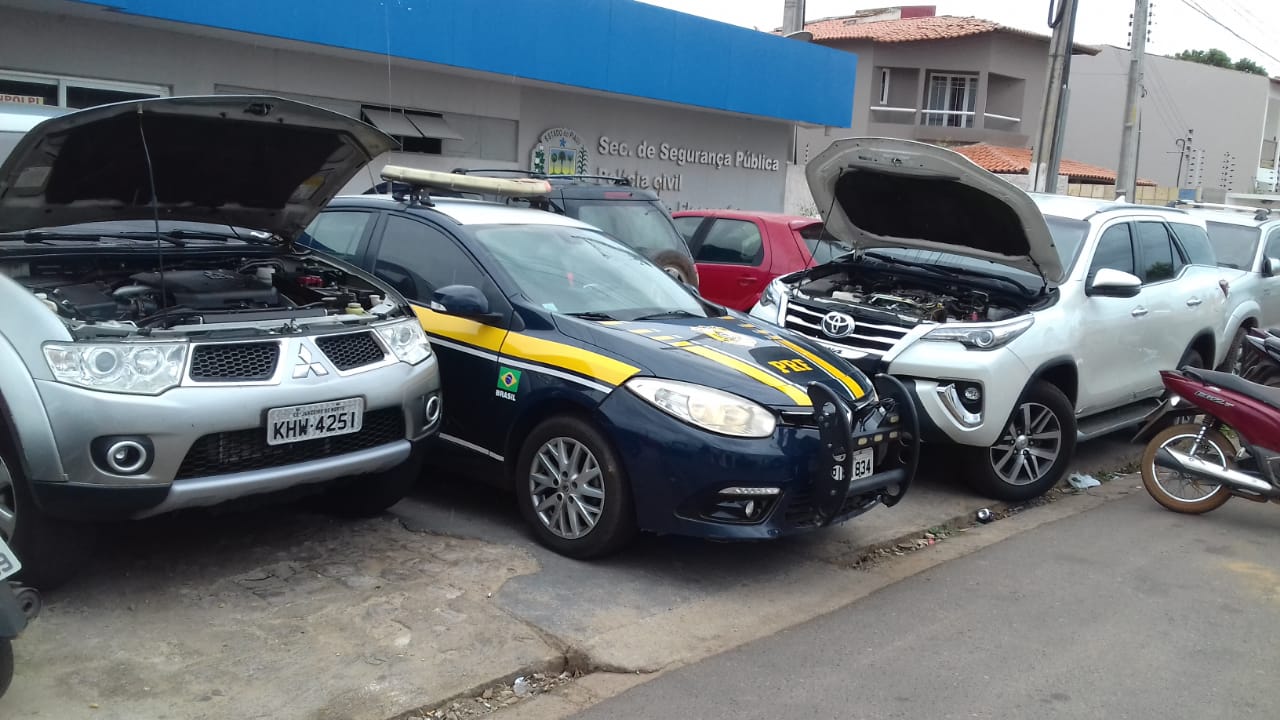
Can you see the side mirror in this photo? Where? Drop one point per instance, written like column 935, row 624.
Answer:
column 462, row 300
column 1115, row 283
column 1270, row 266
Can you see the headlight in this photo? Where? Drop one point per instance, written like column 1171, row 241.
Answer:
column 772, row 294
column 407, row 340
column 705, row 407
column 140, row 368
column 982, row 336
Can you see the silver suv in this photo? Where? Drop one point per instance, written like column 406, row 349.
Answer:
column 164, row 343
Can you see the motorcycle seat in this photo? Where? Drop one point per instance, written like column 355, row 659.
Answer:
column 1236, row 384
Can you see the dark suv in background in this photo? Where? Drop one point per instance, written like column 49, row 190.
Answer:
column 634, row 216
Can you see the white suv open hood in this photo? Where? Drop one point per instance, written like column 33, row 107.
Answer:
column 250, row 161
column 885, row 192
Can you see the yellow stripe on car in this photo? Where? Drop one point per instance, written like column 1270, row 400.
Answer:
column 797, row 395
column 832, row 370
column 468, row 332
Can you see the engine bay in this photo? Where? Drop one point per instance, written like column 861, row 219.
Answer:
column 911, row 299
column 146, row 293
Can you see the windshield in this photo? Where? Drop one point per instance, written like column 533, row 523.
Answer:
column 644, row 226
column 575, row 270
column 822, row 245
column 1235, row 245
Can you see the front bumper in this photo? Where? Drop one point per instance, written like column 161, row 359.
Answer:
column 799, row 479
column 208, row 444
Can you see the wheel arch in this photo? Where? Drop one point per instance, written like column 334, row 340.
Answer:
column 1061, row 372
column 1204, row 344
column 560, row 404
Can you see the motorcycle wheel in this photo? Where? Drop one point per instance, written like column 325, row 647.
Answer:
column 6, row 665
column 1177, row 491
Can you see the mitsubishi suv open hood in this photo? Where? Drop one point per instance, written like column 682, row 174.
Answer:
column 250, row 161
column 885, row 192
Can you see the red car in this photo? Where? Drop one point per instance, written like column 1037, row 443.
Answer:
column 739, row 252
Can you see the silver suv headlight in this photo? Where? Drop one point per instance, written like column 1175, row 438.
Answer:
column 407, row 341
column 982, row 336
column 123, row 367
column 708, row 408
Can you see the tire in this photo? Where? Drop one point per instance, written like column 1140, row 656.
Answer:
column 557, row 446
column 51, row 551
column 1207, row 496
column 1235, row 352
column 371, row 495
column 6, row 665
column 1023, row 465
column 678, row 266
column 1191, row 359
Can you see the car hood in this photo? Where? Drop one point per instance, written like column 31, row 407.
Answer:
column 885, row 192
column 731, row 353
column 250, row 161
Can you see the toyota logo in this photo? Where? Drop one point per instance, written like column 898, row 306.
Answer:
column 837, row 325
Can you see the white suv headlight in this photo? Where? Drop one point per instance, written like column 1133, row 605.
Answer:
column 123, row 367
column 982, row 336
column 407, row 341
column 706, row 407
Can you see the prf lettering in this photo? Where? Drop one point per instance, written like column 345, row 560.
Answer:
column 790, row 366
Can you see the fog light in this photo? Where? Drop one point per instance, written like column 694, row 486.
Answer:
column 123, row 455
column 432, row 412
column 750, row 491
column 972, row 394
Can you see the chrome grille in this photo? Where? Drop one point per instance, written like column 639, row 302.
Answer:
column 871, row 337
column 234, row 362
column 351, row 350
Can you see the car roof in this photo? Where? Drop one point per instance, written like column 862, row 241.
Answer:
column 465, row 211
column 1078, row 208
column 748, row 215
column 21, row 118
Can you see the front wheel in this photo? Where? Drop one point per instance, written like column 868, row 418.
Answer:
column 1178, row 491
column 572, row 490
column 1032, row 453
column 51, row 551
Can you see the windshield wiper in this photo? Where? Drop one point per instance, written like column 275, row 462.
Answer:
column 591, row 315
column 668, row 314
column 40, row 236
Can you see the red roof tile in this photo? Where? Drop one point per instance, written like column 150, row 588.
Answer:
column 1017, row 161
column 941, row 27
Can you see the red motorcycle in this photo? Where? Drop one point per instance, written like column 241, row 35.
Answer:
column 1232, row 448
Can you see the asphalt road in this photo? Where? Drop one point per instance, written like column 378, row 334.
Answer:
column 1126, row 611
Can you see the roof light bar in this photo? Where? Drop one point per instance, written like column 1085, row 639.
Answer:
column 507, row 187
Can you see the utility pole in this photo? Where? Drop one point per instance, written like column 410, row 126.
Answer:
column 1047, row 153
column 1127, row 173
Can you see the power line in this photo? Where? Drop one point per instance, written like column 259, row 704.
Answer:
column 1196, row 6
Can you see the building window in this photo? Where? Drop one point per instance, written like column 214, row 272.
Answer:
column 950, row 100
column 70, row 92
column 884, row 86
column 416, row 131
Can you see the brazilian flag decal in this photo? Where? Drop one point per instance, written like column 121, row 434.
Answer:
column 508, row 379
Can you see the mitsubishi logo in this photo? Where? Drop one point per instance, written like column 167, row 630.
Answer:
column 837, row 324
column 306, row 366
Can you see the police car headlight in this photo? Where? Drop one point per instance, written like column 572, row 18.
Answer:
column 407, row 341
column 706, row 407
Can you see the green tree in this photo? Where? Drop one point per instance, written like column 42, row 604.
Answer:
column 1249, row 66
column 1218, row 58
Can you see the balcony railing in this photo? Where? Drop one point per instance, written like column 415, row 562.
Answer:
column 906, row 116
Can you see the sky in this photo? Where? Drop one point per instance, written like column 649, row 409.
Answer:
column 1175, row 25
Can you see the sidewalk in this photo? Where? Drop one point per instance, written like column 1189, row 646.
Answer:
column 277, row 613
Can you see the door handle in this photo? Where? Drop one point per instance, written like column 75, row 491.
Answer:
column 1139, row 311
column 746, row 280
column 1192, row 302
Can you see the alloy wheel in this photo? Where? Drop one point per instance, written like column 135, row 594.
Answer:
column 1029, row 446
column 8, row 503
column 566, row 488
column 1182, row 486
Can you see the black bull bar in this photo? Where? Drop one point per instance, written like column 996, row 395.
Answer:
column 842, row 431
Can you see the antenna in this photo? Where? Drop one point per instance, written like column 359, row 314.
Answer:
column 155, row 210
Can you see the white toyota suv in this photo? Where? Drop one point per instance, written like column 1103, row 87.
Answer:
column 1021, row 323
